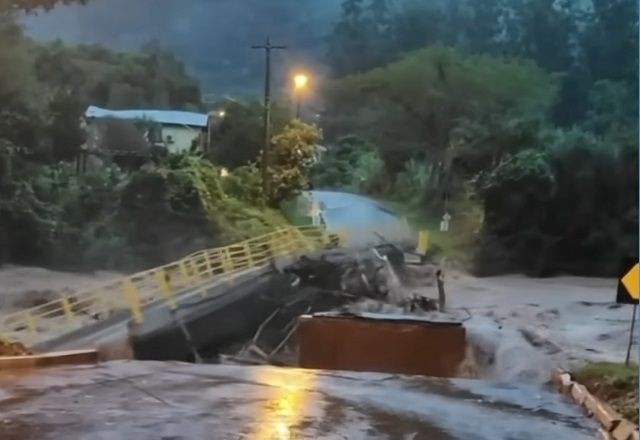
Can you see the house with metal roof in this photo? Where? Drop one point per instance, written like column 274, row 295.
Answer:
column 177, row 131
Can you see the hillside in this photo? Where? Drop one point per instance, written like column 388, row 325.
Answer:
column 212, row 37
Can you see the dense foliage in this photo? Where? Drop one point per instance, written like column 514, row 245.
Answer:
column 517, row 117
column 124, row 213
column 411, row 107
column 522, row 113
column 105, row 218
column 291, row 158
column 242, row 125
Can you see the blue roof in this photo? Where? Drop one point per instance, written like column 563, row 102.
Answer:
column 161, row 116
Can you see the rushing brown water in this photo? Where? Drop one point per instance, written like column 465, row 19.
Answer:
column 172, row 401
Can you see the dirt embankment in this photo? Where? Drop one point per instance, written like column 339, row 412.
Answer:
column 613, row 383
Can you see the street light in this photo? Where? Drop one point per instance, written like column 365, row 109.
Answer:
column 300, row 82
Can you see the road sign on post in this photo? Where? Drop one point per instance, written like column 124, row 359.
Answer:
column 629, row 283
column 444, row 224
column 628, row 290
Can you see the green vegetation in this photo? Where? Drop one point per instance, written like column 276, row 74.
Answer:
column 518, row 118
column 513, row 117
column 615, row 384
column 126, row 213
column 291, row 158
column 109, row 219
column 242, row 125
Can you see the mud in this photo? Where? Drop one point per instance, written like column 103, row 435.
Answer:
column 519, row 328
column 22, row 287
column 152, row 400
column 13, row 349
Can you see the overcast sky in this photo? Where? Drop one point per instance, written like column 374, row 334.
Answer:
column 212, row 36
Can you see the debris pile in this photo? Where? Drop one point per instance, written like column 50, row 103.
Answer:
column 350, row 282
column 13, row 349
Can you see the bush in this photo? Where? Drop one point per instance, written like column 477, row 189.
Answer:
column 245, row 184
column 569, row 209
column 106, row 219
column 351, row 165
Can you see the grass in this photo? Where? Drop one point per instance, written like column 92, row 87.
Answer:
column 613, row 383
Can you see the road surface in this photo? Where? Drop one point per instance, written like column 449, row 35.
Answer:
column 360, row 217
column 174, row 401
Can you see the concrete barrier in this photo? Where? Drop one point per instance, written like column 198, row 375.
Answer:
column 614, row 426
column 76, row 357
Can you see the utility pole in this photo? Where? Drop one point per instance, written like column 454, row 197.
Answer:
column 267, row 47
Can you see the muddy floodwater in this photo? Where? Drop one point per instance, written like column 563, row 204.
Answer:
column 172, row 401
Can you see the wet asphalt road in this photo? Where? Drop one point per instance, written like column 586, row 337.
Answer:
column 360, row 217
column 173, row 401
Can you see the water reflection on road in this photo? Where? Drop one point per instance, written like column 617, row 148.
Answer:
column 172, row 401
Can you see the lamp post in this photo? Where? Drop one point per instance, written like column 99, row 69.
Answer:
column 300, row 82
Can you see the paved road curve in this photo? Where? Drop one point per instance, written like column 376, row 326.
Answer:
column 361, row 217
column 173, row 401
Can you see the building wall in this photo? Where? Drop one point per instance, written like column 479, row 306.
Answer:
column 182, row 137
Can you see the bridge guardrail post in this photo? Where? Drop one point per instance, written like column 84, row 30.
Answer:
column 66, row 307
column 227, row 264
column 166, row 289
column 30, row 322
column 131, row 293
column 247, row 253
column 184, row 271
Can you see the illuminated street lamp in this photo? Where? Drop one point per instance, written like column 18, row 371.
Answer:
column 300, row 83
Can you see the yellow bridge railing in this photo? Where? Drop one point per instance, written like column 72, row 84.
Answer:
column 194, row 273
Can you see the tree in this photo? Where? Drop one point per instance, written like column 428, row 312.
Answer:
column 613, row 108
column 411, row 107
column 66, row 134
column 362, row 38
column 610, row 41
column 238, row 138
column 351, row 165
column 98, row 76
column 418, row 24
column 292, row 154
column 569, row 207
column 543, row 30
column 483, row 25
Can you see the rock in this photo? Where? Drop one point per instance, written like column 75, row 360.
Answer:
column 604, row 435
column 624, row 431
column 606, row 416
column 579, row 393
